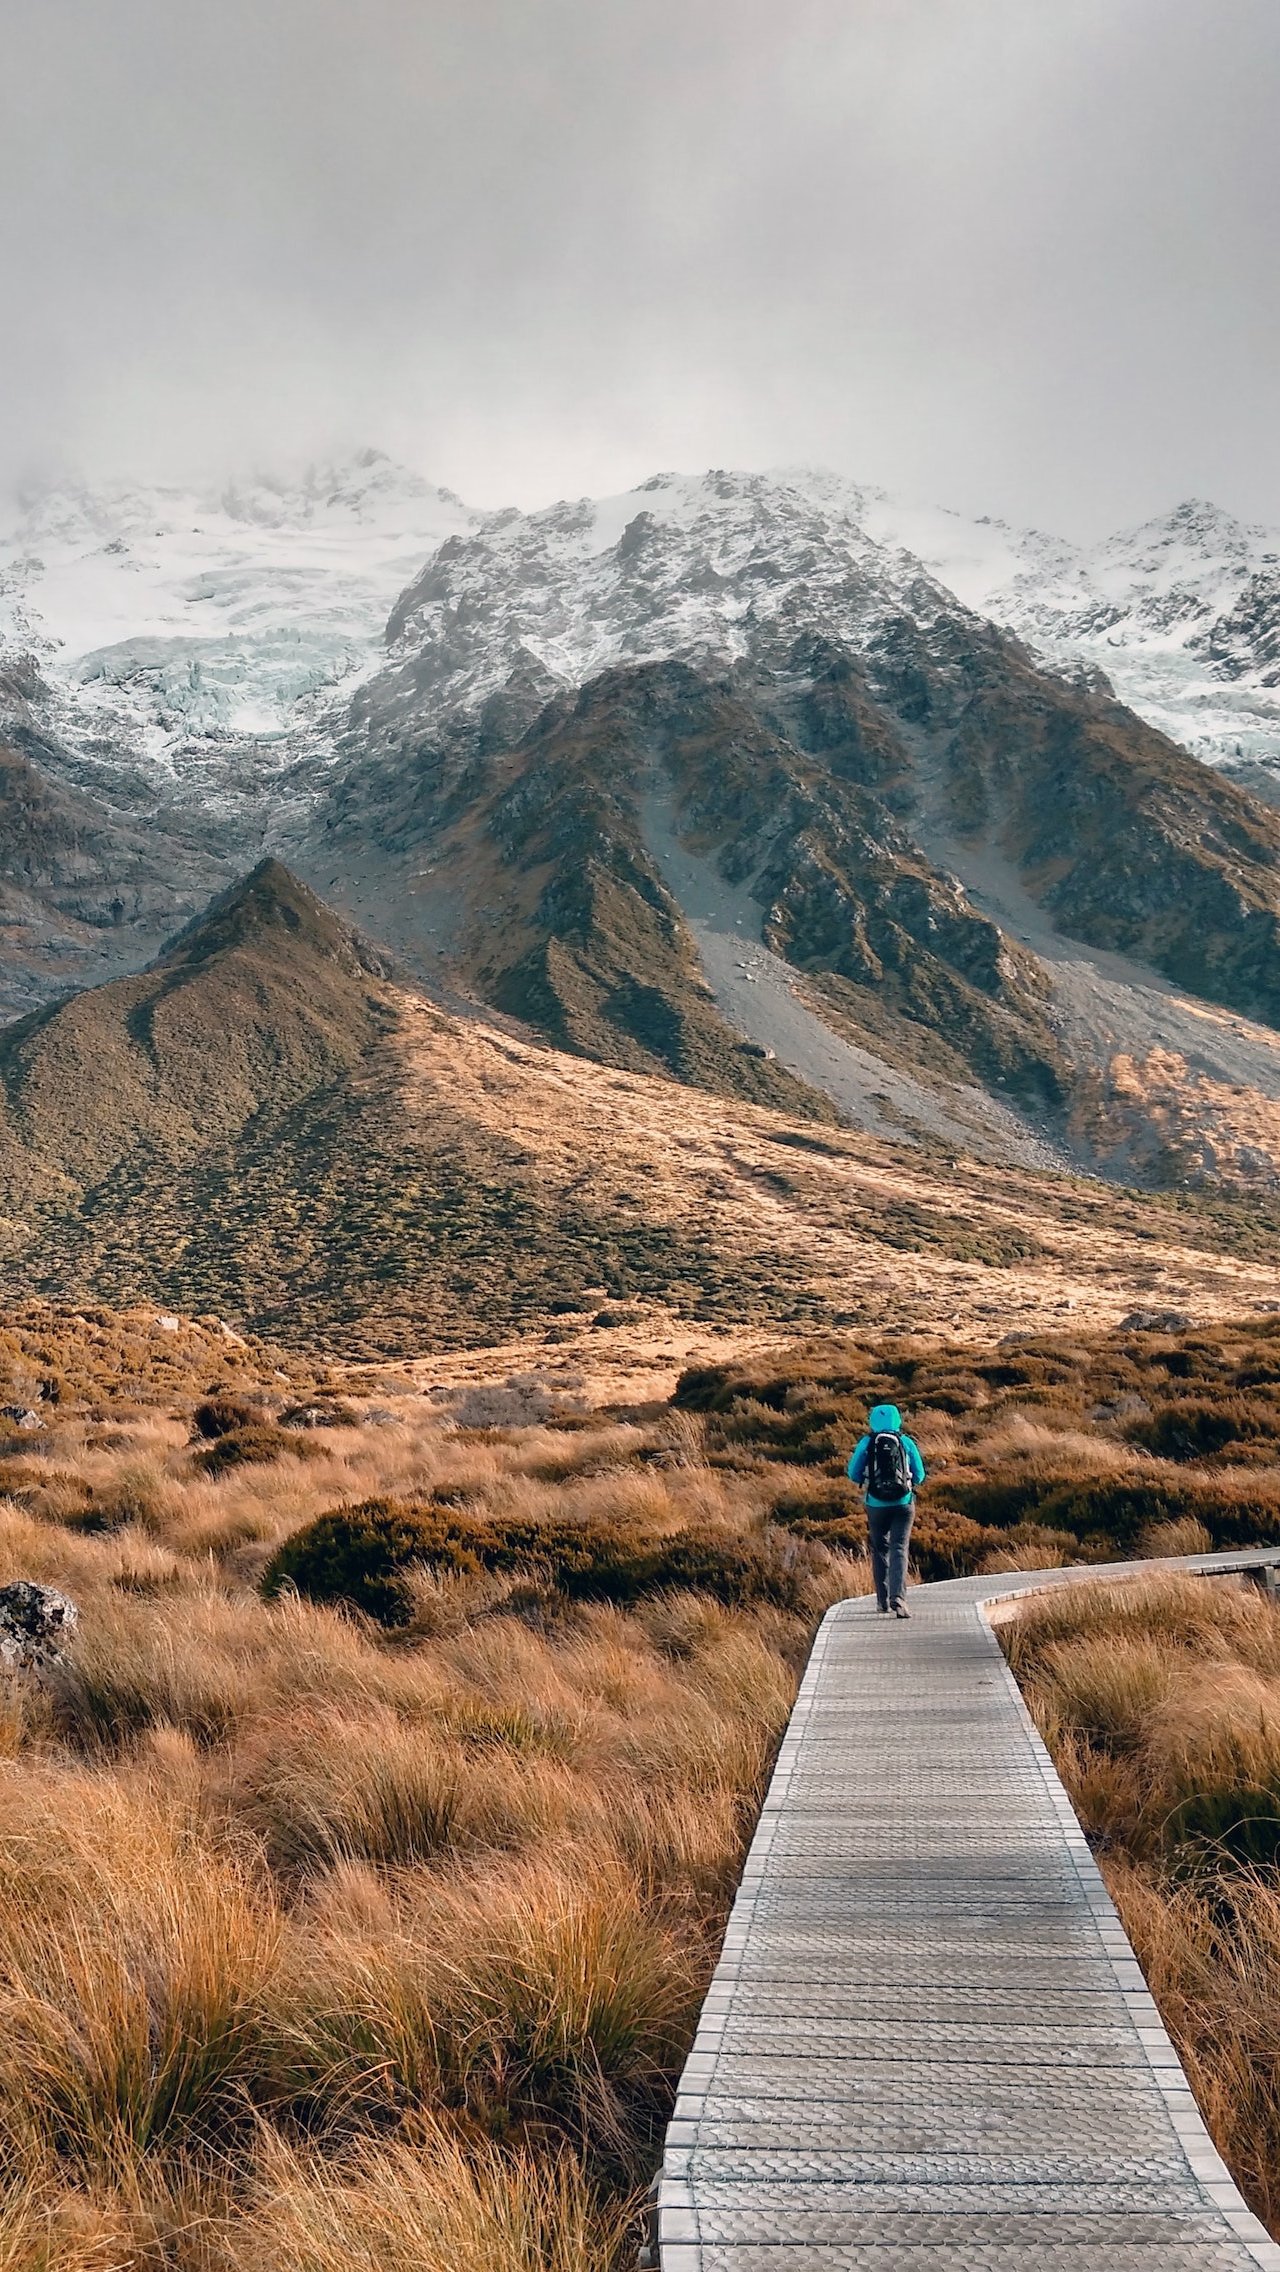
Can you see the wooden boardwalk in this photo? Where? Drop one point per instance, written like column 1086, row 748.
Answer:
column 928, row 2046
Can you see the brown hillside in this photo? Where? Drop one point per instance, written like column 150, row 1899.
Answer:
column 265, row 1126
column 988, row 883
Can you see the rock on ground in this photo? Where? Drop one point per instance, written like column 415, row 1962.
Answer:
column 34, row 1622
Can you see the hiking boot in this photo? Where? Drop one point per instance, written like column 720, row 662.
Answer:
column 900, row 1609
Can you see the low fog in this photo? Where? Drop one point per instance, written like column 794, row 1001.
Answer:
column 1009, row 256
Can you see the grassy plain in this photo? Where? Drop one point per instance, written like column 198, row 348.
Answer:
column 327, row 1942
column 362, row 1869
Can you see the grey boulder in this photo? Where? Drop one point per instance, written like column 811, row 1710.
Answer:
column 34, row 1622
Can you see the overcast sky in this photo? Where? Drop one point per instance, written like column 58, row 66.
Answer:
column 1013, row 255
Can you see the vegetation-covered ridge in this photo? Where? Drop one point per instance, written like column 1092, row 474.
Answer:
column 239, row 1129
column 266, row 1126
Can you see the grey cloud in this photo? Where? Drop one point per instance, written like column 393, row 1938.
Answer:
column 1015, row 257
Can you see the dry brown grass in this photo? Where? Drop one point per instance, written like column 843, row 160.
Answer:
column 328, row 1947
column 424, row 2206
column 1039, row 1452
column 1161, row 1703
column 954, row 1232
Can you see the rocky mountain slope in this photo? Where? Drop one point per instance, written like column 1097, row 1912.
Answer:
column 267, row 1126
column 174, row 666
column 938, row 841
column 83, row 888
column 715, row 779
column 1181, row 614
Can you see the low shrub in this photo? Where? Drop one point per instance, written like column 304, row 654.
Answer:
column 819, row 1500
column 1196, row 1428
column 364, row 1556
column 253, row 1447
column 946, row 1544
column 1112, row 1512
column 218, row 1415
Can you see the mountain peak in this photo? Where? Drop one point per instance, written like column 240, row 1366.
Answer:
column 1194, row 531
column 270, row 908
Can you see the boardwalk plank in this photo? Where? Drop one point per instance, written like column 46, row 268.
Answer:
column 928, row 2046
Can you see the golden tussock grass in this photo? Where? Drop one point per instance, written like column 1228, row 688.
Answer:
column 335, row 1945
column 1161, row 1703
column 326, row 1946
column 425, row 2206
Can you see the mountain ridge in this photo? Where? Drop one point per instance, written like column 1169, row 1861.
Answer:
column 265, row 1128
column 716, row 779
column 912, row 792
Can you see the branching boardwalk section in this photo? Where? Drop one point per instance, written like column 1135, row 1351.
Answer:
column 928, row 2046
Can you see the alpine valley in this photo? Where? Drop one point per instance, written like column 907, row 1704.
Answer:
column 900, row 838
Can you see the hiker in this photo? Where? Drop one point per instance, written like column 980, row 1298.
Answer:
column 888, row 1465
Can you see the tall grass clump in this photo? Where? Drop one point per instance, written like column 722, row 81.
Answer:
column 363, row 1866
column 429, row 2205
column 1161, row 1703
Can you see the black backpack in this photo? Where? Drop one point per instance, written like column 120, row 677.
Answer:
column 888, row 1476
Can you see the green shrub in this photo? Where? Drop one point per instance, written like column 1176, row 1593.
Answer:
column 1195, row 1428
column 709, row 1388
column 1110, row 1512
column 361, row 1557
column 1027, row 1371
column 818, row 1500
column 253, row 1447
column 957, row 1397
column 219, row 1415
column 1002, row 1497
column 365, row 1556
column 945, row 1544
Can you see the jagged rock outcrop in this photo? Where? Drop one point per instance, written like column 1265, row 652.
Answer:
column 83, row 892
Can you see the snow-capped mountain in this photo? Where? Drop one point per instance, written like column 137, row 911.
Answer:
column 718, row 565
column 734, row 776
column 199, row 647
column 737, row 714
column 195, row 637
column 1182, row 614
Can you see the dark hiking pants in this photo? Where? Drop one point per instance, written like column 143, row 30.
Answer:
column 889, row 1529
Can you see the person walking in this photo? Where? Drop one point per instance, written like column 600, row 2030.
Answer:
column 887, row 1463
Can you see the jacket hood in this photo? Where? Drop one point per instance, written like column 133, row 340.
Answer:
column 883, row 1417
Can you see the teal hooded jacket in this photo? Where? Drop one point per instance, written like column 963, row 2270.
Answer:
column 885, row 1419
